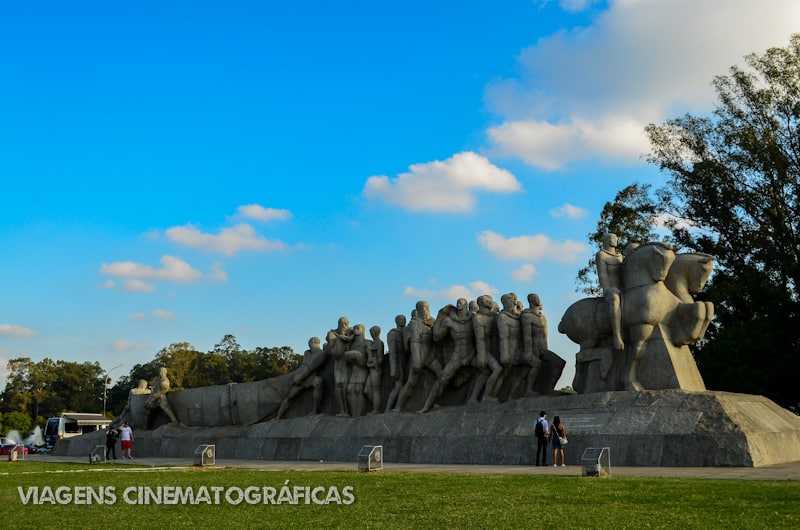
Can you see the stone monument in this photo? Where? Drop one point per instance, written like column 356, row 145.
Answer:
column 481, row 375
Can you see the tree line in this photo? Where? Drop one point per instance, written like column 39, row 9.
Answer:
column 36, row 391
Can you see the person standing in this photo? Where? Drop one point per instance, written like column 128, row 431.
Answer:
column 558, row 434
column 126, row 438
column 111, row 442
column 541, row 430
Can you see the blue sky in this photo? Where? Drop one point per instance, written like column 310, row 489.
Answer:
column 177, row 171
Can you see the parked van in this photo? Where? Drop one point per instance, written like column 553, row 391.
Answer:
column 72, row 424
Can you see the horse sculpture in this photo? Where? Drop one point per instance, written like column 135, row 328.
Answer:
column 657, row 288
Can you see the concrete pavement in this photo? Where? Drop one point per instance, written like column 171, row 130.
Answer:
column 790, row 471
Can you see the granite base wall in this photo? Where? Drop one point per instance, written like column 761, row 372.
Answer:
column 650, row 428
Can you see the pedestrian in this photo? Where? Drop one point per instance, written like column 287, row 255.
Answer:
column 541, row 430
column 111, row 442
column 558, row 435
column 126, row 437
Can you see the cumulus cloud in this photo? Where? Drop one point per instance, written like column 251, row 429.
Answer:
column 524, row 273
column 569, row 211
column 587, row 93
column 451, row 293
column 260, row 213
column 17, row 332
column 229, row 241
column 533, row 248
column 173, row 269
column 138, row 277
column 137, row 316
column 163, row 314
column 122, row 346
column 448, row 186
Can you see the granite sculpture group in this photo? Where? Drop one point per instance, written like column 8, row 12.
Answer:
column 486, row 370
column 633, row 337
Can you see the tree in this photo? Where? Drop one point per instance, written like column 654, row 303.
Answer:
column 735, row 193
column 178, row 358
column 17, row 421
column 632, row 217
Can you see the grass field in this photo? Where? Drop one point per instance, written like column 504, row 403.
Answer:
column 382, row 500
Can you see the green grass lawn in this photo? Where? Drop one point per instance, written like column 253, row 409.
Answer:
column 396, row 500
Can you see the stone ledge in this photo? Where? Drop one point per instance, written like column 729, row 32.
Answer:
column 649, row 428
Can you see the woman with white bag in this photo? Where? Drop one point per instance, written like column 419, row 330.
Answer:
column 558, row 437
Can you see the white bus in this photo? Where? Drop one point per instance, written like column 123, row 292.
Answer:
column 72, row 424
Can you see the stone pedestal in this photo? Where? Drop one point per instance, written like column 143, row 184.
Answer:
column 649, row 428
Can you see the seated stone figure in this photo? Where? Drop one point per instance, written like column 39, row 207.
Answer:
column 306, row 376
column 125, row 415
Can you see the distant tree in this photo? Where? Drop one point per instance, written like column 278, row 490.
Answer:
column 178, row 358
column 735, row 193
column 17, row 394
column 632, row 217
column 17, row 421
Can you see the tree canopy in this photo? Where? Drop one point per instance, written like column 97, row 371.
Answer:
column 734, row 192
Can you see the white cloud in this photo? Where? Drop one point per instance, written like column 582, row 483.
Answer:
column 569, row 211
column 163, row 314
column 452, row 293
column 448, row 186
column 260, row 213
column 524, row 273
column 173, row 269
column 588, row 93
column 137, row 316
column 137, row 286
column 531, row 248
column 122, row 345
column 229, row 241
column 108, row 284
column 19, row 332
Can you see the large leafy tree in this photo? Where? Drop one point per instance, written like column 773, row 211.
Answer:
column 735, row 193
column 632, row 217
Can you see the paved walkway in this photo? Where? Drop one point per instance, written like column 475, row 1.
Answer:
column 777, row 472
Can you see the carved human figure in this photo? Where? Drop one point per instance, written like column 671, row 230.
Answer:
column 455, row 322
column 509, row 332
column 397, row 358
column 485, row 349
column 337, row 341
column 356, row 357
column 140, row 389
column 158, row 399
column 420, row 343
column 306, row 376
column 609, row 273
column 375, row 354
column 534, row 338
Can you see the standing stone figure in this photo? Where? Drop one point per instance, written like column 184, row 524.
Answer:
column 420, row 340
column 534, row 338
column 375, row 354
column 398, row 356
column 456, row 322
column 158, row 399
column 337, row 341
column 609, row 273
column 306, row 377
column 485, row 347
column 356, row 357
